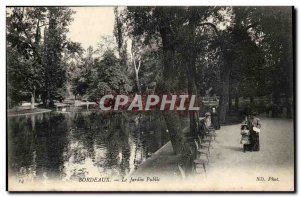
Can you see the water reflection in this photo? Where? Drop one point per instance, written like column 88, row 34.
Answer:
column 76, row 145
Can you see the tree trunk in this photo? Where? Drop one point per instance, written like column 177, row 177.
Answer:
column 252, row 101
column 224, row 98
column 174, row 127
column 288, row 106
column 192, row 90
column 138, row 81
column 171, row 118
column 276, row 103
column 190, row 59
column 230, row 101
column 236, row 102
column 32, row 100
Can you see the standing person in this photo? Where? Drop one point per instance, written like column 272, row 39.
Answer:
column 215, row 119
column 254, row 125
column 204, row 124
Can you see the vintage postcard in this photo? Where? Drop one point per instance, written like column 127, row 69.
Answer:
column 161, row 98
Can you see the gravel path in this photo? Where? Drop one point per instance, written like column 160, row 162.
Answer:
column 232, row 169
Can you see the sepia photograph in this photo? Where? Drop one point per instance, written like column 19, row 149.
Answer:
column 150, row 98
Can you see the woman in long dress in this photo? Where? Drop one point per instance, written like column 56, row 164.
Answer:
column 254, row 125
column 215, row 119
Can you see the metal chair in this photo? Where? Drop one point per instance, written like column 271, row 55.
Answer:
column 203, row 146
column 199, row 162
column 210, row 132
column 206, row 139
column 202, row 151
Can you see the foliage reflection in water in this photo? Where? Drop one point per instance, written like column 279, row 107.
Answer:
column 75, row 145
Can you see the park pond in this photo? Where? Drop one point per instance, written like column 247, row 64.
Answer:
column 69, row 146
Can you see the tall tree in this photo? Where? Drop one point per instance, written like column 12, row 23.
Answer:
column 41, row 52
column 136, row 59
column 175, row 29
column 236, row 49
column 156, row 22
column 275, row 30
column 107, row 77
column 54, row 41
column 119, row 33
column 24, row 43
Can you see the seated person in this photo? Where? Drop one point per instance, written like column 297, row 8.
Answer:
column 205, row 125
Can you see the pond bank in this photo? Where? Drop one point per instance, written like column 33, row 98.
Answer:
column 162, row 162
column 28, row 112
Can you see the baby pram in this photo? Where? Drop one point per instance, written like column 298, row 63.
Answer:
column 245, row 139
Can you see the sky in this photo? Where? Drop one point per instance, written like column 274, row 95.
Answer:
column 90, row 24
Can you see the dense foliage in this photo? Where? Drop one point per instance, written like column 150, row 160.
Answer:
column 225, row 52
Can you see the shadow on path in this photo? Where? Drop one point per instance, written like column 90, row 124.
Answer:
column 234, row 148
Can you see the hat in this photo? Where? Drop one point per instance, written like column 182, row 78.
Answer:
column 207, row 114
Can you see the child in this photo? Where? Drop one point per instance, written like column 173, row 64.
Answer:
column 245, row 140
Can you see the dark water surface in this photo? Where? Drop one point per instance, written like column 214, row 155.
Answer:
column 76, row 145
